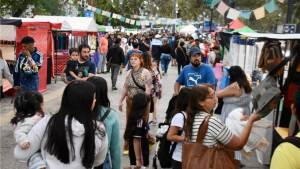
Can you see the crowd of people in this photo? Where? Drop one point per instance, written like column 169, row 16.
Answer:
column 85, row 132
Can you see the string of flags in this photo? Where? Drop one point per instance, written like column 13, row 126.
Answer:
column 222, row 8
column 234, row 14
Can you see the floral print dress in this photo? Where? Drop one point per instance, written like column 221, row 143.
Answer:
column 156, row 83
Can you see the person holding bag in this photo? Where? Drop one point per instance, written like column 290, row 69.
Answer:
column 138, row 80
column 207, row 135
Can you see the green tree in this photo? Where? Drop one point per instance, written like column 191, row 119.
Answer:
column 42, row 7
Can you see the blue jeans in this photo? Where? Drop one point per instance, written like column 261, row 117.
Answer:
column 106, row 164
column 204, row 60
column 165, row 61
column 70, row 78
column 181, row 65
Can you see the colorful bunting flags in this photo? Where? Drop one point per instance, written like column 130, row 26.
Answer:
column 281, row 1
column 246, row 14
column 259, row 12
column 108, row 14
column 215, row 2
column 98, row 11
column 94, row 9
column 131, row 16
column 233, row 14
column 147, row 22
column 104, row 13
column 138, row 23
column 153, row 22
column 119, row 16
column 114, row 16
column 132, row 22
column 127, row 20
column 222, row 8
column 122, row 18
column 271, row 6
column 89, row 7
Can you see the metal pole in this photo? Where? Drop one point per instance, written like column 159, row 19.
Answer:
column 174, row 14
column 211, row 15
column 289, row 11
column 82, row 8
column 120, row 14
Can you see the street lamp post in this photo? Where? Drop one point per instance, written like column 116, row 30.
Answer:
column 204, row 13
column 121, row 3
column 211, row 16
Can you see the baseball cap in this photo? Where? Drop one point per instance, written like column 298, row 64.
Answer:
column 194, row 50
column 157, row 36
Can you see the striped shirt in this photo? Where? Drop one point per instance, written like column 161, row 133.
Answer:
column 217, row 131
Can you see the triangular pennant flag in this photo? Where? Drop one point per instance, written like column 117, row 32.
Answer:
column 233, row 14
column 119, row 16
column 94, row 9
column 271, row 6
column 132, row 22
column 104, row 13
column 259, row 12
column 215, row 2
column 131, row 16
column 98, row 11
column 123, row 19
column 108, row 14
column 222, row 8
column 114, row 16
column 89, row 7
column 246, row 14
column 127, row 20
column 281, row 1
column 138, row 23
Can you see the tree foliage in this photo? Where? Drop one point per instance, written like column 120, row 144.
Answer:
column 42, row 7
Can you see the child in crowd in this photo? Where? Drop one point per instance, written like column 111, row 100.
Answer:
column 136, row 131
column 72, row 66
column 29, row 108
column 155, row 65
column 218, row 66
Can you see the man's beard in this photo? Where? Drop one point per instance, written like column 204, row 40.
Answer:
column 196, row 64
column 82, row 58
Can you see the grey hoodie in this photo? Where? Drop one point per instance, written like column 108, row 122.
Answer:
column 5, row 71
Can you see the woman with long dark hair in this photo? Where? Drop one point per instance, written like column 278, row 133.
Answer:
column 177, row 124
column 201, row 101
column 236, row 95
column 137, row 131
column 110, row 118
column 156, row 87
column 71, row 138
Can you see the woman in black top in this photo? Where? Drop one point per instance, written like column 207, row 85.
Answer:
column 165, row 57
column 182, row 58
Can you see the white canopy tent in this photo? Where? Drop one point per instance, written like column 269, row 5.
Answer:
column 188, row 29
column 78, row 24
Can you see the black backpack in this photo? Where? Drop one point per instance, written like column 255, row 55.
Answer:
column 164, row 154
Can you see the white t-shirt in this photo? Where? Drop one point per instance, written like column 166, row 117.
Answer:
column 178, row 121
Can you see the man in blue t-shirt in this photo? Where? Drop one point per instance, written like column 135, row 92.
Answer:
column 195, row 73
column 86, row 68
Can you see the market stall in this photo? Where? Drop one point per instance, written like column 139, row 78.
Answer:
column 41, row 31
column 188, row 29
column 83, row 30
column 8, row 45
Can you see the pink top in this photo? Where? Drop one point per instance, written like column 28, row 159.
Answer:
column 104, row 45
column 218, row 70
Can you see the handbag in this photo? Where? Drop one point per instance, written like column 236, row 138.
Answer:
column 197, row 155
column 141, row 87
column 266, row 96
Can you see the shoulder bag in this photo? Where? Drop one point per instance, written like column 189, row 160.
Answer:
column 197, row 155
column 184, row 55
column 144, row 89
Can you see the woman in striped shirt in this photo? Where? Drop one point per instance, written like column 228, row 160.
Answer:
column 202, row 100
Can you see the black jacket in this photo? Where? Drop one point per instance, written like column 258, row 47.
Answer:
column 116, row 54
column 181, row 55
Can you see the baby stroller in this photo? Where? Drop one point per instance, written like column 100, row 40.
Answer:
column 163, row 127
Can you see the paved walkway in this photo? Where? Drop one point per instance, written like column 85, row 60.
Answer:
column 52, row 99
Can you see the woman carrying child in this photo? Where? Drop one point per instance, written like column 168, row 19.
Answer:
column 29, row 108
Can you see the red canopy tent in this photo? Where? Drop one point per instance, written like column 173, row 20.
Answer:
column 41, row 32
column 236, row 24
